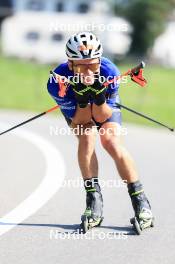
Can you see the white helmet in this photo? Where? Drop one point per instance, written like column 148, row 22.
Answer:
column 84, row 45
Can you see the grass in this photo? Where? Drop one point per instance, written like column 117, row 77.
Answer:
column 23, row 86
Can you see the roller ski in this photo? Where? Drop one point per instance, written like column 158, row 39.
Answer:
column 92, row 216
column 142, row 222
column 143, row 216
column 89, row 221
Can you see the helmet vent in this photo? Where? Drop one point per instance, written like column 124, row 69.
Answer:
column 90, row 51
column 75, row 38
column 73, row 52
column 84, row 43
column 99, row 46
column 82, row 53
column 83, row 36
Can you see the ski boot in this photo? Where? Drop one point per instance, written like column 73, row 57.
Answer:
column 92, row 216
column 143, row 215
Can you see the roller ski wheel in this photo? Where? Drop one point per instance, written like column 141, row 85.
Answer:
column 136, row 225
column 88, row 223
column 140, row 224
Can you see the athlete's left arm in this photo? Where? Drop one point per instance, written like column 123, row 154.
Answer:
column 112, row 95
column 113, row 73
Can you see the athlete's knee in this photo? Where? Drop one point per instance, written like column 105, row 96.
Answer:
column 108, row 142
column 99, row 119
column 112, row 145
column 101, row 113
column 86, row 133
column 102, row 117
column 82, row 116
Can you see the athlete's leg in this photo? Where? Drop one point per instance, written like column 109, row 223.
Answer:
column 111, row 141
column 87, row 158
column 82, row 115
column 101, row 113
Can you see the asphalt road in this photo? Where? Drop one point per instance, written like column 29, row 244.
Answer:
column 42, row 198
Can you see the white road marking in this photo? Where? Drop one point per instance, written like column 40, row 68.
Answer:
column 55, row 172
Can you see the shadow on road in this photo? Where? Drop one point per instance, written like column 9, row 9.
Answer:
column 126, row 230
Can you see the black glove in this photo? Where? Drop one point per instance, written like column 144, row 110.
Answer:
column 98, row 92
column 95, row 92
column 82, row 94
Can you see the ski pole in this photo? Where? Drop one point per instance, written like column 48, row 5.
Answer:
column 57, row 106
column 144, row 116
column 30, row 119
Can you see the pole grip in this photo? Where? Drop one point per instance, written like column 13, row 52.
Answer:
column 136, row 69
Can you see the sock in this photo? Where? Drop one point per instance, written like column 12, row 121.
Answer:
column 135, row 188
column 92, row 185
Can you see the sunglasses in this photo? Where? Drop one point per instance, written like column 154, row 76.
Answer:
column 82, row 68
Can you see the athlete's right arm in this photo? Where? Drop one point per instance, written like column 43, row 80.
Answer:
column 66, row 103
